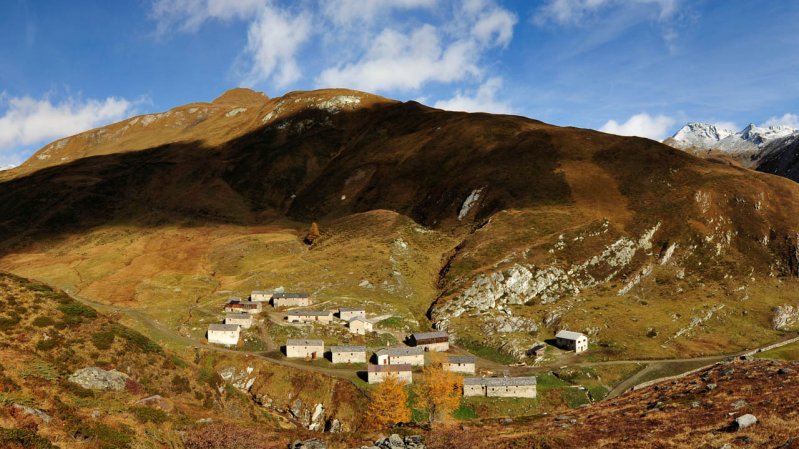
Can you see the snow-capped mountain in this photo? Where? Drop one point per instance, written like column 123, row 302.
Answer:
column 750, row 140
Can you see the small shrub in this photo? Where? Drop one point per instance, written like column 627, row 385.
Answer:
column 147, row 414
column 24, row 438
column 46, row 345
column 43, row 321
column 103, row 340
column 179, row 362
column 8, row 323
column 180, row 384
column 77, row 309
column 106, row 436
column 133, row 387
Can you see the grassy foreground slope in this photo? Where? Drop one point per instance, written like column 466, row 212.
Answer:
column 47, row 336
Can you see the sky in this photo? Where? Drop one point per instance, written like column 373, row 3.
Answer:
column 632, row 67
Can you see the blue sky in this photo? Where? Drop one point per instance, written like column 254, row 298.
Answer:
column 640, row 67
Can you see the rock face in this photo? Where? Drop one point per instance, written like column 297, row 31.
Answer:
column 784, row 316
column 95, row 378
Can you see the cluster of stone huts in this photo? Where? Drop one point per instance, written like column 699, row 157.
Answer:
column 238, row 316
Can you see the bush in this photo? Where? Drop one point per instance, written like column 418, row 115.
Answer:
column 180, row 384
column 41, row 370
column 147, row 414
column 137, row 340
column 77, row 309
column 23, row 438
column 106, row 436
column 103, row 340
column 43, row 321
column 46, row 345
column 8, row 323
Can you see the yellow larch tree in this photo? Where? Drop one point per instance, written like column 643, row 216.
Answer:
column 388, row 404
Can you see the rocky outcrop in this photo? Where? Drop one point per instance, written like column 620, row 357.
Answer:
column 24, row 409
column 242, row 380
column 95, row 378
column 784, row 316
column 397, row 442
column 524, row 283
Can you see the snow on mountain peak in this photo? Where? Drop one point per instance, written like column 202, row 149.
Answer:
column 711, row 137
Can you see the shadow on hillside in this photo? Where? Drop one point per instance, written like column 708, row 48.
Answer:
column 404, row 157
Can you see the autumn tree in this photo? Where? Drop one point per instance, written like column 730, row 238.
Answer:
column 388, row 404
column 439, row 392
column 313, row 234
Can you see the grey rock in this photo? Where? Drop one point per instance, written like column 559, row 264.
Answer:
column 32, row 412
column 313, row 443
column 784, row 316
column 739, row 404
column 711, row 386
column 744, row 421
column 204, row 421
column 395, row 442
column 505, row 421
column 95, row 378
column 786, row 371
column 317, row 422
column 333, row 426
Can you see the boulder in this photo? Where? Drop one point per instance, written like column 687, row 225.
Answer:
column 395, row 442
column 784, row 316
column 744, row 421
column 313, row 443
column 95, row 378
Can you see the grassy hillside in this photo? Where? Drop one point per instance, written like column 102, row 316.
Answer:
column 47, row 336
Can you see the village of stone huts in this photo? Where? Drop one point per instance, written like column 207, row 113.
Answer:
column 397, row 360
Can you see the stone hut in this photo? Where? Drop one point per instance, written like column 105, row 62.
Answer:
column 347, row 313
column 430, row 341
column 399, row 355
column 348, row 354
column 571, row 341
column 290, row 300
column 500, row 387
column 464, row 364
column 236, row 305
column 242, row 319
column 260, row 296
column 378, row 373
column 360, row 326
column 305, row 349
column 309, row 316
column 224, row 334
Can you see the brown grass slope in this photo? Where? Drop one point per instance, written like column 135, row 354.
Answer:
column 550, row 198
column 693, row 412
column 45, row 335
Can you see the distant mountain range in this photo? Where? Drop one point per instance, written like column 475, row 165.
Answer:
column 770, row 149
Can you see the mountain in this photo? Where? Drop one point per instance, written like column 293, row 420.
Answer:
column 498, row 228
column 747, row 145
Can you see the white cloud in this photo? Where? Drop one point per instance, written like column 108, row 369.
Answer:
column 273, row 41
column 641, row 125
column 565, row 12
column 28, row 121
column 357, row 12
column 787, row 119
column 405, row 62
column 482, row 100
column 189, row 15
